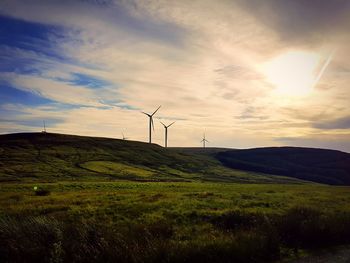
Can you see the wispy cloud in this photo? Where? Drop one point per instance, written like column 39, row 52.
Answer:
column 340, row 123
column 319, row 140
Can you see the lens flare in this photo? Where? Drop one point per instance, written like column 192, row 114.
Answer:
column 293, row 73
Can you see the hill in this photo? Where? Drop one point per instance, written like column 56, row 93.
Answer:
column 211, row 151
column 317, row 165
column 81, row 199
column 57, row 157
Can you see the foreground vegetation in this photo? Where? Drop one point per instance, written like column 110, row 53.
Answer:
column 82, row 199
column 169, row 221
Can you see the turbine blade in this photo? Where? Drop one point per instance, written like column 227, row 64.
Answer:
column 171, row 124
column 146, row 114
column 163, row 124
column 156, row 110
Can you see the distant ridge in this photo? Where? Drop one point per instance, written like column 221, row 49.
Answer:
column 57, row 157
column 312, row 164
column 54, row 157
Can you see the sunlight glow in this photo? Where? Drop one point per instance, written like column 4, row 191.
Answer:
column 293, row 73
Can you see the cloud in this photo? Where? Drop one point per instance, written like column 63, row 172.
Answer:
column 252, row 113
column 340, row 123
column 301, row 20
column 239, row 72
column 327, row 141
column 54, row 90
column 106, row 16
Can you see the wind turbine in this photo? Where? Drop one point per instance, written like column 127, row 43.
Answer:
column 166, row 132
column 151, row 124
column 204, row 140
column 44, row 131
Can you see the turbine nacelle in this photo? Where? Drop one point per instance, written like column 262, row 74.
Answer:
column 167, row 126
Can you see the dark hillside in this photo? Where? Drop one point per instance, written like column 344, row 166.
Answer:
column 54, row 157
column 211, row 151
column 318, row 165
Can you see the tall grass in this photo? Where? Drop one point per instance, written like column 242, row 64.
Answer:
column 239, row 237
column 304, row 227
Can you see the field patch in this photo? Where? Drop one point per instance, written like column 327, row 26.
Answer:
column 117, row 169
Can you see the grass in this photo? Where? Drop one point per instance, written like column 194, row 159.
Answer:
column 119, row 169
column 170, row 221
column 42, row 192
column 81, row 199
column 56, row 157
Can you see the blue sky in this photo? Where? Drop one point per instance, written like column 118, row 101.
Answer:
column 248, row 73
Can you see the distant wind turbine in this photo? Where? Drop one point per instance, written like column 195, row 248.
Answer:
column 204, row 140
column 151, row 124
column 44, row 131
column 166, row 132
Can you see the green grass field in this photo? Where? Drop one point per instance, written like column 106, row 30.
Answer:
column 80, row 199
column 144, row 201
column 154, row 221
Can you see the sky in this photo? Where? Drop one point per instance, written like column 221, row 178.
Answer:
column 247, row 73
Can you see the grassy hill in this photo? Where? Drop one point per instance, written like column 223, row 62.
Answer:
column 57, row 157
column 70, row 198
column 318, row 165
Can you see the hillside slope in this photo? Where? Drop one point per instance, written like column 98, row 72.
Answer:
column 318, row 165
column 211, row 151
column 54, row 157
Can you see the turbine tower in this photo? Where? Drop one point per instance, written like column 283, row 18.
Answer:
column 124, row 138
column 151, row 124
column 166, row 132
column 204, row 140
column 44, row 131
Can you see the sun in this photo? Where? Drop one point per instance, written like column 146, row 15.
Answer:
column 293, row 73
